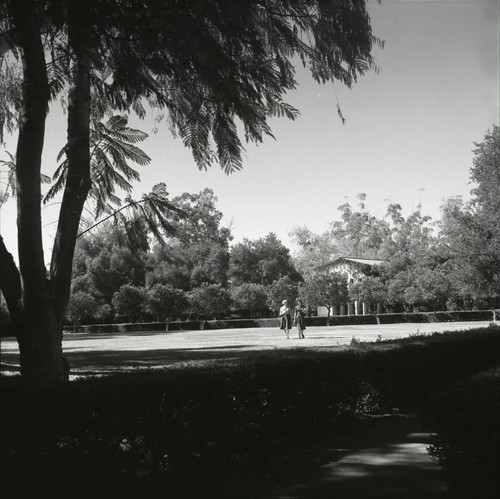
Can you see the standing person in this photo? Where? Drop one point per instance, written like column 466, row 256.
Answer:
column 285, row 319
column 299, row 317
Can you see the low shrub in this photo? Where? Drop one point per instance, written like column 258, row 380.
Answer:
column 177, row 432
column 167, row 433
column 467, row 418
column 448, row 316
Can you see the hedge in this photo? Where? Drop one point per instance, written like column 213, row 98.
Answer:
column 467, row 418
column 209, row 432
column 336, row 320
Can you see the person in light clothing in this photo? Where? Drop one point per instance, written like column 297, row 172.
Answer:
column 285, row 319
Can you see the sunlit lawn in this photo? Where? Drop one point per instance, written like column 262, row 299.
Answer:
column 104, row 352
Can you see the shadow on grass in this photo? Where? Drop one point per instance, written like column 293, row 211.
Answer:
column 68, row 337
column 103, row 360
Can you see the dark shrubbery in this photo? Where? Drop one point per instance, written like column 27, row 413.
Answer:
column 444, row 316
column 202, row 432
column 467, row 417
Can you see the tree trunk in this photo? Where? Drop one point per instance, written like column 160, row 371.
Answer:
column 78, row 154
column 29, row 300
column 38, row 305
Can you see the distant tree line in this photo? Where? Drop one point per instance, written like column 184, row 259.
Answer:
column 121, row 273
column 449, row 264
column 195, row 273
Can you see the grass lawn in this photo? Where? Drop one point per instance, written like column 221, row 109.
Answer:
column 103, row 352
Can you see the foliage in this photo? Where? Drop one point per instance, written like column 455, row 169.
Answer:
column 358, row 233
column 129, row 303
column 282, row 289
column 322, row 289
column 171, row 273
column 467, row 416
column 104, row 263
column 469, row 232
column 261, row 261
column 165, row 301
column 249, row 298
column 370, row 290
column 209, row 300
column 314, row 250
column 81, row 308
column 202, row 220
column 211, row 263
column 214, row 68
column 197, row 252
column 8, row 183
column 112, row 149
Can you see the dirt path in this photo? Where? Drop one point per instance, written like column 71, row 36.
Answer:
column 383, row 458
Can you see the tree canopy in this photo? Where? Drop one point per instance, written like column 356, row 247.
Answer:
column 212, row 68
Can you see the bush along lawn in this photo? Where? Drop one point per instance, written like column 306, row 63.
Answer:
column 219, row 431
column 467, row 418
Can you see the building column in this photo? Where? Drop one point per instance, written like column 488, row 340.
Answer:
column 366, row 309
column 335, row 309
column 357, row 307
column 350, row 308
column 343, row 309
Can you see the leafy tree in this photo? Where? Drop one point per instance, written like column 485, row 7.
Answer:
column 244, row 264
column 249, row 298
column 81, row 308
column 169, row 273
column 411, row 240
column 104, row 263
column 262, row 261
column 371, row 290
column 396, row 287
column 208, row 64
column 358, row 233
column 202, row 220
column 129, row 303
column 198, row 252
column 209, row 300
column 282, row 289
column 314, row 250
column 211, row 265
column 470, row 233
column 429, row 290
column 323, row 289
column 165, row 301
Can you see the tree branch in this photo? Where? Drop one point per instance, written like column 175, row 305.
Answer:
column 134, row 203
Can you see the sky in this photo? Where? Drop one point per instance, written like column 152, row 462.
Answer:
column 408, row 138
